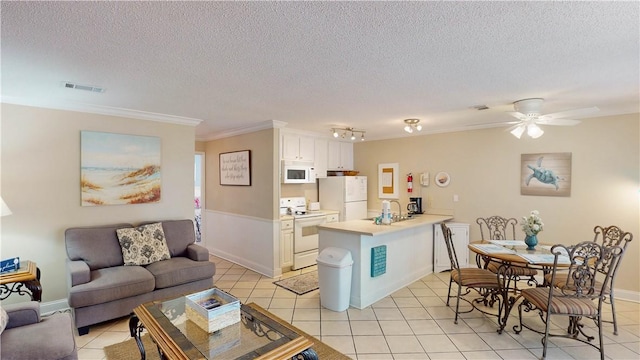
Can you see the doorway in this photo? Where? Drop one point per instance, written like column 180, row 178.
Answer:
column 199, row 197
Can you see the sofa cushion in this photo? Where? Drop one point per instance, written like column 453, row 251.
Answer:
column 180, row 270
column 98, row 246
column 4, row 319
column 110, row 284
column 179, row 234
column 51, row 338
column 143, row 245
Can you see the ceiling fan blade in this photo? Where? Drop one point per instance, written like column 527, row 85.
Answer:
column 518, row 115
column 572, row 113
column 543, row 120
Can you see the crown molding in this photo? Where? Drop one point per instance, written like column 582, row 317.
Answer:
column 102, row 110
column 263, row 125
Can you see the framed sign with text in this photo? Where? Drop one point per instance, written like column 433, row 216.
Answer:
column 235, row 168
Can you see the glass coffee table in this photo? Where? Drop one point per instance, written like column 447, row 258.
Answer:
column 255, row 336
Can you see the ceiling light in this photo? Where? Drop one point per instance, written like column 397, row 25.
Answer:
column 342, row 132
column 518, row 131
column 411, row 125
column 534, row 131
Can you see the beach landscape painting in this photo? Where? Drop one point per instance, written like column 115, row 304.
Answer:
column 119, row 169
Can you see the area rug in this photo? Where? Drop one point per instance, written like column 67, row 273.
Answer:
column 300, row 284
column 128, row 350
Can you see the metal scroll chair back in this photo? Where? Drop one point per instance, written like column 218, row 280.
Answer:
column 612, row 236
column 497, row 228
column 581, row 295
column 451, row 250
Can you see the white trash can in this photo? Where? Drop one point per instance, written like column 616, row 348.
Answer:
column 334, row 278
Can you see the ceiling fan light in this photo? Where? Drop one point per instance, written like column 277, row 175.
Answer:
column 408, row 129
column 534, row 131
column 353, row 137
column 335, row 133
column 419, row 127
column 517, row 132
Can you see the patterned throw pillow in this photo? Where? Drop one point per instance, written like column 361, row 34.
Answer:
column 143, row 245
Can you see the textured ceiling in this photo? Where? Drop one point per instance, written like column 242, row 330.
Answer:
column 317, row 65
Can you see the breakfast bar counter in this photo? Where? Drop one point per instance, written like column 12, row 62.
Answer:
column 386, row 258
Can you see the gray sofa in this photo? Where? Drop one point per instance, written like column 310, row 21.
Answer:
column 28, row 336
column 102, row 288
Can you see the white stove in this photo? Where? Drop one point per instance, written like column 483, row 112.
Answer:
column 305, row 230
column 297, row 207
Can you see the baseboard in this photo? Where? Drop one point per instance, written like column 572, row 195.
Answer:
column 259, row 268
column 627, row 295
column 50, row 307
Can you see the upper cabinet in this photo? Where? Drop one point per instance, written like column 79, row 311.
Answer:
column 340, row 155
column 298, row 147
column 321, row 157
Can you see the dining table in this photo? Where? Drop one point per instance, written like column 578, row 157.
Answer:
column 510, row 254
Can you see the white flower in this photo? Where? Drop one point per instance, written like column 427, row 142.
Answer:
column 532, row 224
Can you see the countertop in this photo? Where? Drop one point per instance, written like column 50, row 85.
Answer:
column 368, row 227
column 327, row 212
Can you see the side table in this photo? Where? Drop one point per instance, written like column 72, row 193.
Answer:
column 15, row 282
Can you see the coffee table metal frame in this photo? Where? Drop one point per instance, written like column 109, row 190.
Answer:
column 173, row 344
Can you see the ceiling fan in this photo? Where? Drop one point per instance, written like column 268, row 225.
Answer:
column 529, row 115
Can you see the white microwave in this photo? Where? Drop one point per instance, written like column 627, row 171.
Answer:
column 297, row 172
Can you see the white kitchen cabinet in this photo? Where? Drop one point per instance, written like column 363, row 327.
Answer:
column 286, row 243
column 298, row 147
column 321, row 157
column 333, row 217
column 460, row 237
column 340, row 156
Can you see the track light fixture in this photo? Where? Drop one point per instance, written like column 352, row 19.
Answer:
column 342, row 132
column 411, row 125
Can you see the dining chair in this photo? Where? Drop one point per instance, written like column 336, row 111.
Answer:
column 581, row 296
column 483, row 281
column 607, row 236
column 501, row 228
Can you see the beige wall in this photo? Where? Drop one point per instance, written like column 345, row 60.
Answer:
column 484, row 168
column 258, row 200
column 41, row 177
column 201, row 146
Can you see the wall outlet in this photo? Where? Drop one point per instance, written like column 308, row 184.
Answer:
column 455, row 198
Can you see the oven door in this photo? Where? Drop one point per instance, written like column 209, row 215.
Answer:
column 305, row 233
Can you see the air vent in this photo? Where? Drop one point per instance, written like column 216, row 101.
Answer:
column 70, row 85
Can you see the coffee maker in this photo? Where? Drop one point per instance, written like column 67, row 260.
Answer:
column 415, row 205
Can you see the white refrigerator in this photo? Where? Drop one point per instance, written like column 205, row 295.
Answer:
column 348, row 194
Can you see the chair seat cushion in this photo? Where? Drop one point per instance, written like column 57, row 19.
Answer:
column 561, row 281
column 560, row 304
column 110, row 284
column 519, row 269
column 180, row 270
column 474, row 277
column 51, row 338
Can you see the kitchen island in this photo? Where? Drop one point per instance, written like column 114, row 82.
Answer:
column 403, row 253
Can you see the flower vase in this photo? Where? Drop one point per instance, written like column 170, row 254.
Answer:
column 531, row 241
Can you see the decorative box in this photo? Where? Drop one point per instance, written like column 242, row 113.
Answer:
column 211, row 320
column 9, row 265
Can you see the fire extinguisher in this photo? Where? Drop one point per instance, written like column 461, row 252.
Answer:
column 410, row 183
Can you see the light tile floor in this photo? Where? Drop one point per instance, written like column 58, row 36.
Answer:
column 412, row 323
